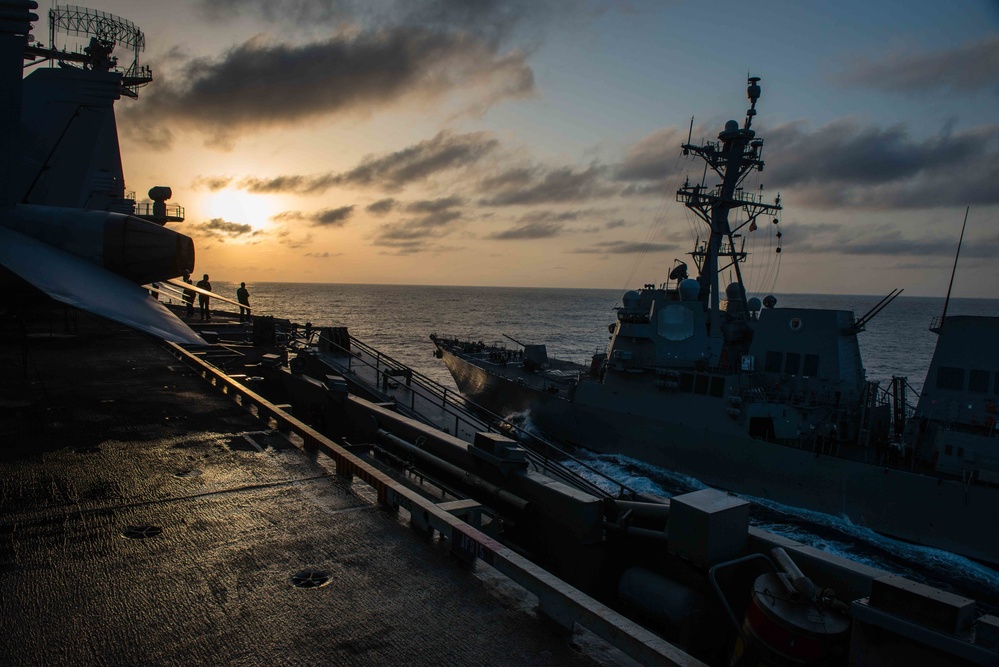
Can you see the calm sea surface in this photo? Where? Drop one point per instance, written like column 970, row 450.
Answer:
column 398, row 320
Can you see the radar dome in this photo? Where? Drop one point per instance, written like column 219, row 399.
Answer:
column 690, row 289
column 755, row 305
column 732, row 126
column 160, row 193
column 734, row 291
column 631, row 299
column 770, row 301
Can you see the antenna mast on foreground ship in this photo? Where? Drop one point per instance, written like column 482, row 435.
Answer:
column 736, row 153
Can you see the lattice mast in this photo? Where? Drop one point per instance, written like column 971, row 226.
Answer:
column 105, row 32
column 736, row 153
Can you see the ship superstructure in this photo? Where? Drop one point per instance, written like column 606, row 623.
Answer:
column 743, row 395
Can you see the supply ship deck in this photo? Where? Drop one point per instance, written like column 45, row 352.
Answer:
column 147, row 519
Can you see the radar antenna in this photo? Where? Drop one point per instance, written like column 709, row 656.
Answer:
column 105, row 31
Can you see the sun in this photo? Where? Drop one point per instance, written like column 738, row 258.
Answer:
column 241, row 207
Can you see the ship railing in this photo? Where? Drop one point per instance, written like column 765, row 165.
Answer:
column 543, row 453
column 739, row 195
column 173, row 212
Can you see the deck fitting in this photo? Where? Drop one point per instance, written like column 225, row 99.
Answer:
column 310, row 579
column 140, row 532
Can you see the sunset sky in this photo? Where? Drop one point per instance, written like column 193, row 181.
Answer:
column 532, row 143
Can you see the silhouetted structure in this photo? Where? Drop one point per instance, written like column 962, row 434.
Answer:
column 243, row 296
column 203, row 299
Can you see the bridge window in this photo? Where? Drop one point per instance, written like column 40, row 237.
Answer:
column 995, row 388
column 950, row 378
column 701, row 384
column 773, row 362
column 811, row 367
column 717, row 386
column 792, row 364
column 978, row 381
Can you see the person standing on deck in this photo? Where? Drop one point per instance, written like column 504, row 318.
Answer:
column 203, row 299
column 243, row 296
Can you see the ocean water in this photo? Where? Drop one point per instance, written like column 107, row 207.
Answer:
column 398, row 320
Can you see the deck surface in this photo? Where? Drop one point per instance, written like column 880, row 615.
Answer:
column 104, row 430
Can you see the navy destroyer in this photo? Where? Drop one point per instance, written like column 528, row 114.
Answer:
column 759, row 400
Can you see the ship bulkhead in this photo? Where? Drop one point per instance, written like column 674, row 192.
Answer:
column 792, row 421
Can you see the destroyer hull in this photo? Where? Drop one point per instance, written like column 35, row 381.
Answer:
column 924, row 509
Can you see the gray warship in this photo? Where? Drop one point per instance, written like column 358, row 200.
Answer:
column 764, row 401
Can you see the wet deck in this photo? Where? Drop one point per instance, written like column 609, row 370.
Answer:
column 104, row 430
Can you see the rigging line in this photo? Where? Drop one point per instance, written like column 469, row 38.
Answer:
column 649, row 235
column 756, row 258
column 690, row 219
column 755, row 261
column 771, row 261
column 763, row 262
column 658, row 219
column 775, row 266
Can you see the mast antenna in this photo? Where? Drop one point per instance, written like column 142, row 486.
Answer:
column 954, row 269
column 753, row 93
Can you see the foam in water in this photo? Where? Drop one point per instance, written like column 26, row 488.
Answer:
column 835, row 535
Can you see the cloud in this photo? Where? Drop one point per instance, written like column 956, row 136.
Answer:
column 844, row 164
column 417, row 234
column 541, row 185
column 627, row 248
column 212, row 183
column 434, row 205
column 545, row 224
column 489, row 19
column 285, row 238
column 262, row 84
column 333, row 217
column 323, row 255
column 614, row 224
column 883, row 240
column 970, row 67
column 381, row 207
column 530, row 230
column 219, row 228
column 288, row 216
column 414, row 163
column 653, row 157
column 329, row 217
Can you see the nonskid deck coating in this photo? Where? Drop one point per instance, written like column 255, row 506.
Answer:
column 94, row 436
